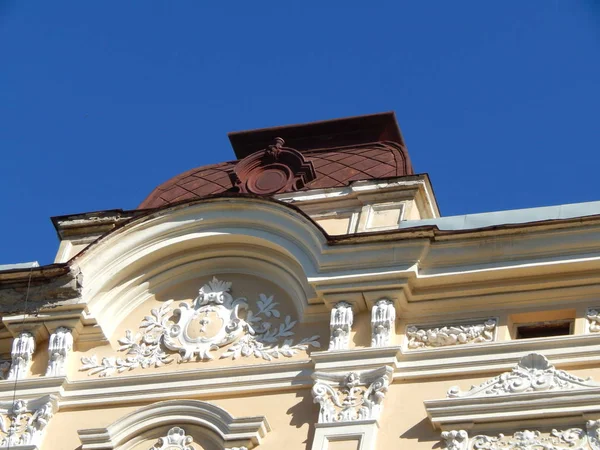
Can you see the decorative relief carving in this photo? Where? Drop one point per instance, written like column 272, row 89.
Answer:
column 23, row 423
column 213, row 320
column 175, row 439
column 456, row 440
column 350, row 397
column 22, row 351
column 340, row 325
column 383, row 318
column 275, row 169
column 59, row 346
column 593, row 317
column 533, row 373
column 450, row 335
column 572, row 438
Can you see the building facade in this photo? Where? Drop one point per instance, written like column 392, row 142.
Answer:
column 306, row 296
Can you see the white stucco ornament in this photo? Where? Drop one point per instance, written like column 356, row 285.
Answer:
column 214, row 320
column 176, row 439
column 340, row 325
column 383, row 318
column 60, row 345
column 350, row 397
column 445, row 336
column 572, row 438
column 22, row 423
column 21, row 353
column 533, row 373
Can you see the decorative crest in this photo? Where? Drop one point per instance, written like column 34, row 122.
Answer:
column 175, row 439
column 212, row 321
column 533, row 373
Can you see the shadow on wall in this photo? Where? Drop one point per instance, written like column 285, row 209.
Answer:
column 419, row 431
column 305, row 412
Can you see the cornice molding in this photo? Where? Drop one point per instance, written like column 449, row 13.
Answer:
column 533, row 389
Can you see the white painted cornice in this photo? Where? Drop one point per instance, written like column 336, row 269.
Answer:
column 248, row 430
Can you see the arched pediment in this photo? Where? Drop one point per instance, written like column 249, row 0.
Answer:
column 246, row 235
column 220, row 427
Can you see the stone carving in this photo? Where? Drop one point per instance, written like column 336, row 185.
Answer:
column 593, row 317
column 23, row 423
column 175, row 439
column 533, row 373
column 456, row 440
column 59, row 346
column 450, row 335
column 383, row 318
column 572, row 438
column 275, row 169
column 211, row 322
column 340, row 325
column 354, row 396
column 22, row 351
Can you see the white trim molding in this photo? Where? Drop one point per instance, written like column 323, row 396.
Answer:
column 534, row 389
column 230, row 431
column 362, row 432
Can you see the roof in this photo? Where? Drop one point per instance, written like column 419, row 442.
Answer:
column 316, row 155
column 514, row 216
column 333, row 168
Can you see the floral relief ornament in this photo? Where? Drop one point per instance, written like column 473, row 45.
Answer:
column 450, row 335
column 533, row 373
column 176, row 439
column 572, row 438
column 212, row 321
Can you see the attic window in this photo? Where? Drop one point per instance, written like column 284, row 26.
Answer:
column 545, row 329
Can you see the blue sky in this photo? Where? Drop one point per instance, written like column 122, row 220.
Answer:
column 102, row 101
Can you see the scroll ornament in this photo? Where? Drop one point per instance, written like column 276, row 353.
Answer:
column 21, row 425
column 572, row 438
column 357, row 396
column 450, row 335
column 533, row 373
column 212, row 321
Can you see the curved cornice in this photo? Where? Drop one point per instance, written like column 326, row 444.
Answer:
column 229, row 429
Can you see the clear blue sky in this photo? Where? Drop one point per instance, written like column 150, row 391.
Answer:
column 102, row 101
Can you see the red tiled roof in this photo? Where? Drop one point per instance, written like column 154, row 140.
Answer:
column 334, row 167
